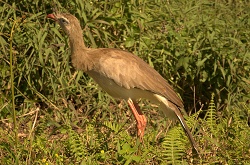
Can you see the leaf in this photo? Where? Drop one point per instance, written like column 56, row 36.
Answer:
column 183, row 62
column 200, row 63
column 204, row 76
column 129, row 42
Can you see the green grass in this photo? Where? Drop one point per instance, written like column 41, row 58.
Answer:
column 52, row 114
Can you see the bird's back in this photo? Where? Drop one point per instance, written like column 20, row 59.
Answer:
column 129, row 71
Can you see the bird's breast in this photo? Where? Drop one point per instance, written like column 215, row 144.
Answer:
column 118, row 91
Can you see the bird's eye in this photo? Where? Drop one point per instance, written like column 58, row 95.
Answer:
column 64, row 21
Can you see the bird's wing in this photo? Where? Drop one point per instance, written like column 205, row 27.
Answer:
column 130, row 71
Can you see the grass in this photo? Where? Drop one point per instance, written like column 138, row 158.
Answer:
column 53, row 114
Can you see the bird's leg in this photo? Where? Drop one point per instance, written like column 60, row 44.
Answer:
column 139, row 117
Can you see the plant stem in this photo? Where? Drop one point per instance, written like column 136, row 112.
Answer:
column 12, row 86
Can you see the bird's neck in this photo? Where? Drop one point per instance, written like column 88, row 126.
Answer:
column 79, row 55
column 76, row 40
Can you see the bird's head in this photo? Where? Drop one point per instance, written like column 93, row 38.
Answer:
column 68, row 23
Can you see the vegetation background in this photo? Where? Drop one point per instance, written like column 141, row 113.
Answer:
column 53, row 114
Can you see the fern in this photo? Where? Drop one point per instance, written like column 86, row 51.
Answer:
column 211, row 115
column 174, row 146
column 76, row 146
column 113, row 126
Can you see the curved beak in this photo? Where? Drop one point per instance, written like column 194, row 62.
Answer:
column 52, row 16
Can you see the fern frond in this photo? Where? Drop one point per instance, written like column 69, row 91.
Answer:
column 211, row 116
column 113, row 126
column 76, row 145
column 192, row 121
column 174, row 146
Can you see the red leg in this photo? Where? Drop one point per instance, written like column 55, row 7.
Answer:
column 139, row 117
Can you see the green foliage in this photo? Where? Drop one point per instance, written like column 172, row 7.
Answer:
column 62, row 117
column 76, row 146
column 113, row 126
column 174, row 146
column 211, row 115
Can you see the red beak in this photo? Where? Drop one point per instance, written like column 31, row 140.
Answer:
column 52, row 16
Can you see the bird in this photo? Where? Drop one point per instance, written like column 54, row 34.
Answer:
column 123, row 75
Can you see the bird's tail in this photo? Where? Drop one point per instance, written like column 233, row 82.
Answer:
column 172, row 111
column 186, row 129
